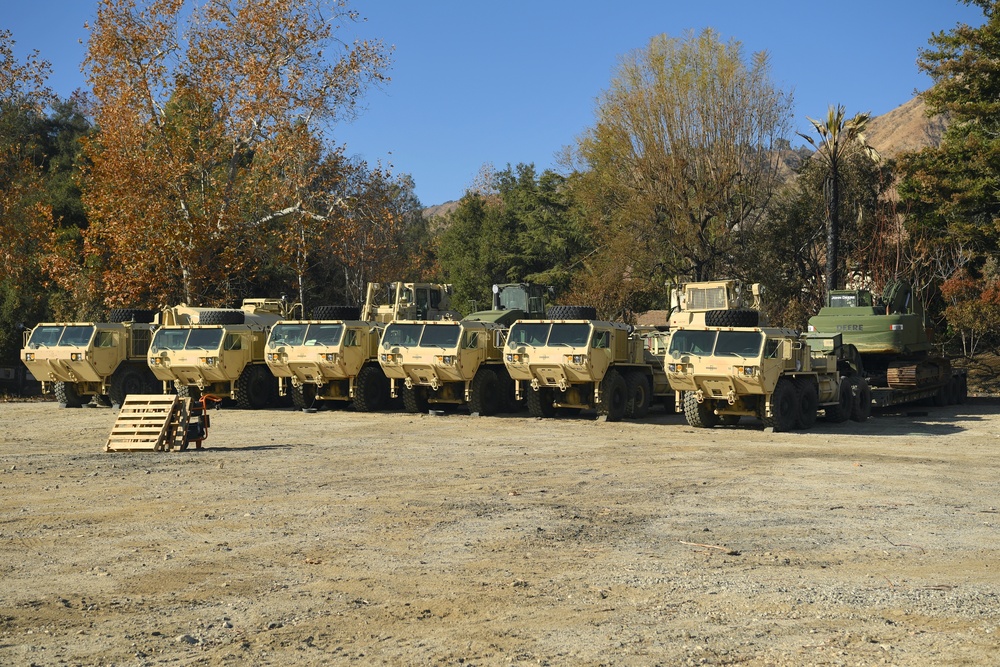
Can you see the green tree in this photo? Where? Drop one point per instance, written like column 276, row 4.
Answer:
column 517, row 226
column 680, row 165
column 952, row 191
column 839, row 139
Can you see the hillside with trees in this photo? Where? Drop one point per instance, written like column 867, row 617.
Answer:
column 204, row 170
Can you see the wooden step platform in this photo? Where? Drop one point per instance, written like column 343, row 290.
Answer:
column 150, row 422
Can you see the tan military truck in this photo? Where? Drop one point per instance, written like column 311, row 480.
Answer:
column 721, row 374
column 567, row 365
column 100, row 361
column 446, row 363
column 725, row 303
column 334, row 356
column 219, row 352
column 385, row 302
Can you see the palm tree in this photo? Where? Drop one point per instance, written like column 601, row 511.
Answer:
column 839, row 138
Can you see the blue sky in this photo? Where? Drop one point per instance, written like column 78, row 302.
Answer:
column 515, row 81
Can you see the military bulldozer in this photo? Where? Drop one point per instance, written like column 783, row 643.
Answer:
column 219, row 352
column 891, row 345
column 80, row 362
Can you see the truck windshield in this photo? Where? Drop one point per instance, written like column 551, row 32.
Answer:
column 406, row 335
column 76, row 336
column 440, row 335
column 287, row 334
column 524, row 333
column 186, row 339
column 744, row 344
column 685, row 341
column 204, row 339
column 574, row 335
column 324, row 334
column 44, row 337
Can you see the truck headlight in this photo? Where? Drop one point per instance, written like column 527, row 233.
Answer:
column 209, row 361
column 446, row 359
column 677, row 368
column 29, row 356
column 748, row 371
column 75, row 356
column 516, row 358
column 575, row 359
column 330, row 357
column 388, row 358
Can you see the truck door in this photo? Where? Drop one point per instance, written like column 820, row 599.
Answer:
column 600, row 352
column 108, row 350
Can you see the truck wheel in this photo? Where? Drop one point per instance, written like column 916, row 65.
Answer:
column 336, row 313
column 255, row 388
column 737, row 317
column 808, row 403
column 126, row 380
column 303, row 396
column 222, row 317
column 371, row 389
column 698, row 415
column 540, row 403
column 614, row 395
column 638, row 395
column 67, row 395
column 414, row 399
column 571, row 313
column 784, row 407
column 189, row 391
column 862, row 408
column 486, row 397
column 840, row 413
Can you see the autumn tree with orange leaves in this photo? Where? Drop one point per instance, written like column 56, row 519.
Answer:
column 212, row 129
column 25, row 218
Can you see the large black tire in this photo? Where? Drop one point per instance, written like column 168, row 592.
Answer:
column 336, row 313
column 862, row 407
column 508, row 389
column 371, row 389
column 698, row 415
column 222, row 317
column 840, row 413
column 188, row 391
column 638, row 395
column 127, row 379
column 66, row 395
column 131, row 315
column 784, row 407
column 571, row 313
column 732, row 318
column 808, row 403
column 540, row 403
column 303, row 396
column 256, row 388
column 486, row 398
column 415, row 399
column 614, row 396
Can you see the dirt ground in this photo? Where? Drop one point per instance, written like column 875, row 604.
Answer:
column 339, row 537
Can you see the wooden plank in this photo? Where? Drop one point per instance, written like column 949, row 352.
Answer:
column 142, row 423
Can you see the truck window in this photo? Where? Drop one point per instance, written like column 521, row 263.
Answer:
column 573, row 335
column 771, row 348
column 105, row 339
column 443, row 335
column 744, row 344
column 169, row 339
column 233, row 341
column 351, row 338
column 76, row 336
column 324, row 334
column 44, row 337
column 287, row 334
column 528, row 334
column 406, row 335
column 601, row 339
column 471, row 340
column 204, row 339
column 691, row 342
column 435, row 299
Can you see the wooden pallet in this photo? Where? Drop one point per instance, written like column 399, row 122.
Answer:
column 149, row 422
